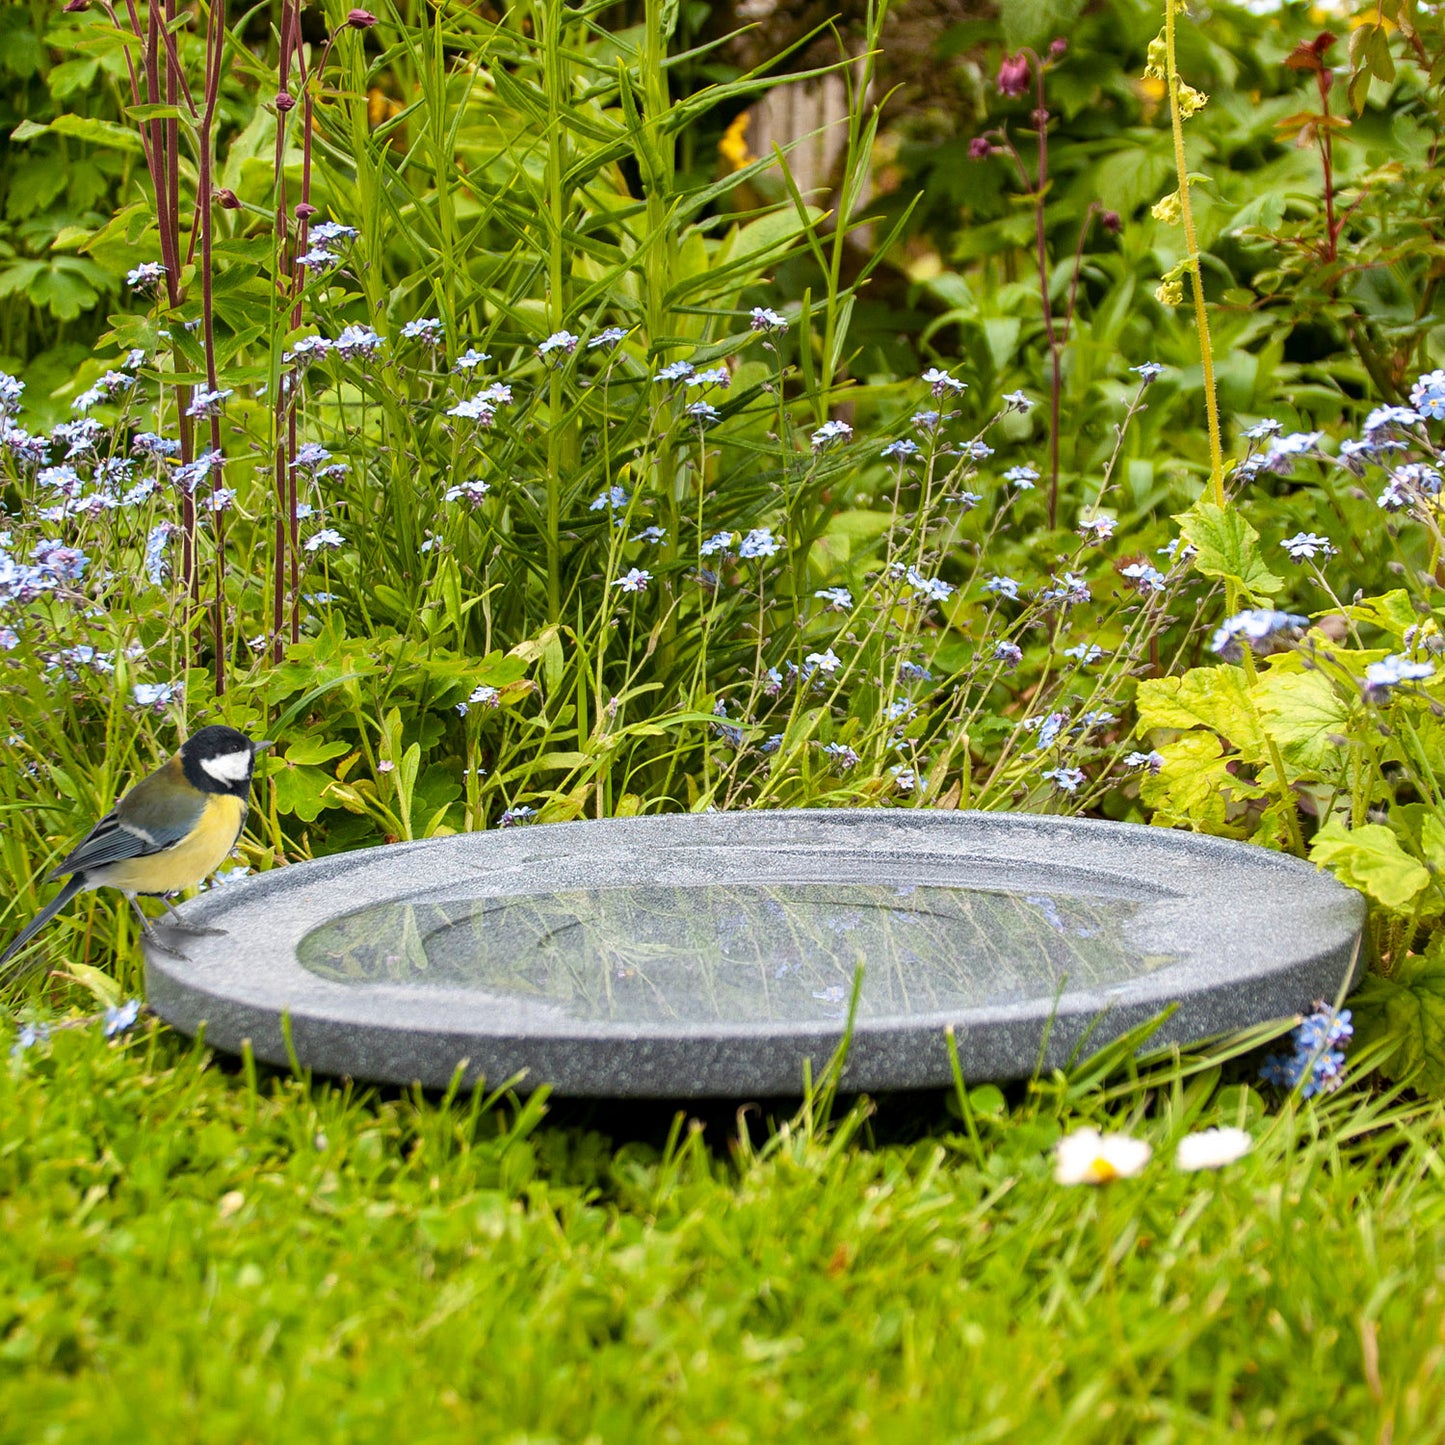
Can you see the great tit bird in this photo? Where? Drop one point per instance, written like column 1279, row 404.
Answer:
column 171, row 830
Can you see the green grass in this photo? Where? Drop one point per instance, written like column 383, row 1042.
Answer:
column 195, row 1253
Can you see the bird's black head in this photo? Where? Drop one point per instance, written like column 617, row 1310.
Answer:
column 219, row 760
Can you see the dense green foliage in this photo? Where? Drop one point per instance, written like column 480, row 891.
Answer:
column 192, row 1255
column 507, row 441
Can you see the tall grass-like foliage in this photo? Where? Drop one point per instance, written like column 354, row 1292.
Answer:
column 465, row 433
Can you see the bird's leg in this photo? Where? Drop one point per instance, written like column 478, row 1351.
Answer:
column 196, row 930
column 152, row 937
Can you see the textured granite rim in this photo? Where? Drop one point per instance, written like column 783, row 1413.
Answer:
column 1256, row 935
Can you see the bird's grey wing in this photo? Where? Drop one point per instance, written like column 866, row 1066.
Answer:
column 117, row 837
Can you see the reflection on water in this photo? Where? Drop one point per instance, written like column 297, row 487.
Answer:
column 740, row 953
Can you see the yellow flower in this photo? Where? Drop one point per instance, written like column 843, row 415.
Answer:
column 1191, row 101
column 733, row 147
column 1170, row 293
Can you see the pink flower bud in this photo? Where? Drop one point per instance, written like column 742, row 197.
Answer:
column 285, row 101
column 980, row 148
column 304, row 210
column 360, row 19
column 1013, row 75
column 228, row 200
column 1057, row 47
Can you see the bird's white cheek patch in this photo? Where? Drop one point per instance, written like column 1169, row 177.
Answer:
column 229, row 767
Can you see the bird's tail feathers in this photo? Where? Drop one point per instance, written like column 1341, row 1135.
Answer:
column 76, row 885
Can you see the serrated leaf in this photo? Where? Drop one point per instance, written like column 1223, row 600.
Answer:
column 1304, row 716
column 1406, row 1011
column 1392, row 612
column 1194, row 786
column 1218, row 698
column 1371, row 859
column 1227, row 547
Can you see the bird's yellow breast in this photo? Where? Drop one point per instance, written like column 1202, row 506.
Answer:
column 195, row 857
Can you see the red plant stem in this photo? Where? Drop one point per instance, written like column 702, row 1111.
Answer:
column 1041, row 123
column 162, row 152
column 205, row 212
column 303, row 233
column 1078, row 266
column 1327, row 158
column 285, row 423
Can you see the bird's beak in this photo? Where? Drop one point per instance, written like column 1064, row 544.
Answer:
column 264, row 744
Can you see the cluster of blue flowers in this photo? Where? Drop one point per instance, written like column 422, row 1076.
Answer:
column 1316, row 1062
column 116, row 1020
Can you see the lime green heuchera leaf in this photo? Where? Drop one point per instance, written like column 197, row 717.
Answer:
column 1226, row 546
column 1194, row 787
column 1371, row 859
column 1305, row 717
column 1392, row 612
column 1218, row 698
column 1407, row 1011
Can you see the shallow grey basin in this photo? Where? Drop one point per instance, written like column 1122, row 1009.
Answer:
column 690, row 956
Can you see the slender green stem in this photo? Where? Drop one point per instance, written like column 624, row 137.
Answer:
column 1191, row 244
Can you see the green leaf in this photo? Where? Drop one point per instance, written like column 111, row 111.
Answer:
column 307, row 752
column 72, row 77
column 1194, row 787
column 1036, row 22
column 1392, row 612
column 102, row 987
column 1371, row 859
column 1406, row 1013
column 1305, row 717
column 97, row 132
column 1227, row 547
column 1218, row 698
column 301, row 792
